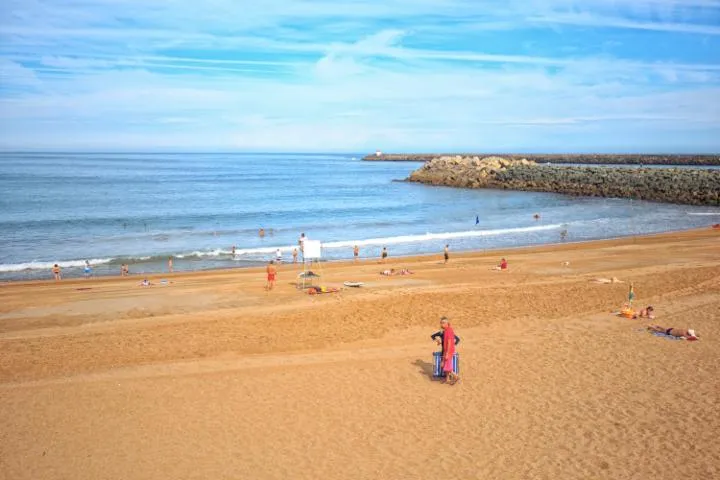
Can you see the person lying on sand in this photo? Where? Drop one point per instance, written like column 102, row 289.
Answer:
column 628, row 312
column 317, row 290
column 607, row 280
column 145, row 283
column 687, row 334
column 392, row 271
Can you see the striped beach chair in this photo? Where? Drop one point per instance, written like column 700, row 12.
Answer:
column 437, row 360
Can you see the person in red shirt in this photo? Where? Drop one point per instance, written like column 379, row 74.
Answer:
column 448, row 351
column 503, row 264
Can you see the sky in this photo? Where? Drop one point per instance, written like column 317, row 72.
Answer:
column 356, row 76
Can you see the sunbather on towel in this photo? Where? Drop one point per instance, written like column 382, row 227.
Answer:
column 688, row 334
column 316, row 290
column 392, row 272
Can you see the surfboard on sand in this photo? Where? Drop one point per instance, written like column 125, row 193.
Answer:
column 353, row 284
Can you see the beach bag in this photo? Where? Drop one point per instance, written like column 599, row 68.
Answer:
column 437, row 361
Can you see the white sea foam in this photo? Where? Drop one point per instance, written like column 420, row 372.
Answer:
column 703, row 213
column 286, row 249
column 19, row 267
column 398, row 239
column 439, row 236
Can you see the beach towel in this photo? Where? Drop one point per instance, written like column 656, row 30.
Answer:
column 665, row 335
column 671, row 337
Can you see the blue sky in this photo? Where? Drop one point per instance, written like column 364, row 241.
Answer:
column 346, row 75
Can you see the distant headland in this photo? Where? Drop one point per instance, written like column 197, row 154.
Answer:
column 560, row 158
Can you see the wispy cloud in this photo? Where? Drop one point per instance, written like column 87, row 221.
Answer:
column 348, row 75
column 590, row 20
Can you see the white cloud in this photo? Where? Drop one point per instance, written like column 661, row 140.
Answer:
column 343, row 75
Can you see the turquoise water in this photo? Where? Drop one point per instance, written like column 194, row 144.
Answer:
column 142, row 208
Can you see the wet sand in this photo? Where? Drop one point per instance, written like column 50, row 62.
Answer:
column 210, row 376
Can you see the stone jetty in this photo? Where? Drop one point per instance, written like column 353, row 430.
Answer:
column 608, row 159
column 671, row 185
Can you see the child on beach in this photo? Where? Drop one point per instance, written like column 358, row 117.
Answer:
column 503, row 265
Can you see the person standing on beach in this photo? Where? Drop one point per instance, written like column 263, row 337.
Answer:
column 631, row 295
column 271, row 274
column 448, row 351
column 384, row 255
column 438, row 337
column 301, row 244
column 278, row 256
column 294, row 255
column 170, row 264
column 124, row 270
column 356, row 252
column 87, row 271
column 446, row 252
column 56, row 272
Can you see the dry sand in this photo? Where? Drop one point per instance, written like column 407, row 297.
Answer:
column 211, row 377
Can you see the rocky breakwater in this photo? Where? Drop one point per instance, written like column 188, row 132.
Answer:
column 671, row 185
column 580, row 158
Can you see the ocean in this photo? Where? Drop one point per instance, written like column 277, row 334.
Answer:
column 142, row 208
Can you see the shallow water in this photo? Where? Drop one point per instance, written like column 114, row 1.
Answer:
column 142, row 208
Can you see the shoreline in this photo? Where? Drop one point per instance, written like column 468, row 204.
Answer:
column 545, row 247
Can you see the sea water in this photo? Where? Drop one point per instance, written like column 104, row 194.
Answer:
column 142, row 208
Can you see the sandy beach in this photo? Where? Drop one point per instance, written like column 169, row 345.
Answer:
column 208, row 376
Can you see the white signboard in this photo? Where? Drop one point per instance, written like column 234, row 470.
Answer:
column 311, row 249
